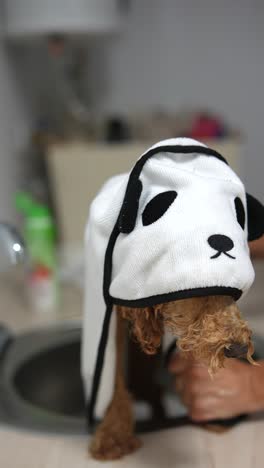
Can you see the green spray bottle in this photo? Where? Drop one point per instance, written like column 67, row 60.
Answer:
column 40, row 238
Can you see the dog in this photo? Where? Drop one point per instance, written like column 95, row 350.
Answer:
column 207, row 328
column 166, row 250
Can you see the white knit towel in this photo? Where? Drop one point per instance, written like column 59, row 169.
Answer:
column 177, row 226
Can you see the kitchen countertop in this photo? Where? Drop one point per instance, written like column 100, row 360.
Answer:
column 186, row 447
column 16, row 314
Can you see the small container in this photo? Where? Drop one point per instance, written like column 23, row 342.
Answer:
column 40, row 234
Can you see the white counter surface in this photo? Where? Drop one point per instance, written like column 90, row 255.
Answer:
column 187, row 447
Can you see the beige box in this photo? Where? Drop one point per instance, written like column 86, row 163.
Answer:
column 79, row 169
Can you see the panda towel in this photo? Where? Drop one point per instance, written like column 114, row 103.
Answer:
column 177, row 226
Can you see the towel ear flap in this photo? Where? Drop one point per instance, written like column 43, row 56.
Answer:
column 128, row 214
column 255, row 212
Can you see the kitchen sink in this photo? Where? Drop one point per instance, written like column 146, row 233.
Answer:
column 51, row 380
column 40, row 382
column 41, row 387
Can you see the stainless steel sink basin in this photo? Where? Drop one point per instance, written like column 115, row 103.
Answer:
column 51, row 380
column 40, row 383
column 41, row 387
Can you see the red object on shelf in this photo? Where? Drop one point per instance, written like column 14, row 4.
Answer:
column 205, row 126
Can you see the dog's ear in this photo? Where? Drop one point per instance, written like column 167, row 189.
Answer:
column 128, row 214
column 255, row 211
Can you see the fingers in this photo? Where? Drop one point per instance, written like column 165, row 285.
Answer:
column 226, row 395
column 203, row 403
column 212, row 408
column 191, row 378
column 192, row 390
column 204, row 408
column 204, row 397
column 201, row 406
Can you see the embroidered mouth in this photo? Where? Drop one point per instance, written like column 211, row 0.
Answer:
column 224, row 253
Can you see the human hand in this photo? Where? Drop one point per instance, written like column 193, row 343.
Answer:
column 236, row 389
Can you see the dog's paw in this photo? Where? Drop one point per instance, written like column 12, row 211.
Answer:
column 113, row 446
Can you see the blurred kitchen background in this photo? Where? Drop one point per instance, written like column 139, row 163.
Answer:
column 85, row 87
column 85, row 69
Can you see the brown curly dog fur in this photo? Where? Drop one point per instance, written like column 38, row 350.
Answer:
column 205, row 327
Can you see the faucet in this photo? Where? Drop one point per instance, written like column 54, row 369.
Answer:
column 12, row 252
column 12, row 248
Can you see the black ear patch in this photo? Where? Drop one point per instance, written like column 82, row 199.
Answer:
column 240, row 212
column 128, row 215
column 255, row 218
column 157, row 207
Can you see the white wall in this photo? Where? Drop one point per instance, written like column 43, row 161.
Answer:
column 176, row 53
column 187, row 52
column 14, row 133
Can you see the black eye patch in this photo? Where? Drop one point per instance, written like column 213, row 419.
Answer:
column 240, row 212
column 157, row 207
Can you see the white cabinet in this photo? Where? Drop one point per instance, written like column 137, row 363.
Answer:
column 38, row 17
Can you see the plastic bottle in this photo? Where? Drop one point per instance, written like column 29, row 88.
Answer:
column 39, row 235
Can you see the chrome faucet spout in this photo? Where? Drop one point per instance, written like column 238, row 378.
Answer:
column 12, row 248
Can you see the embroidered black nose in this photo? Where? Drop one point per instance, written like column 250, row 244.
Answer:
column 220, row 242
